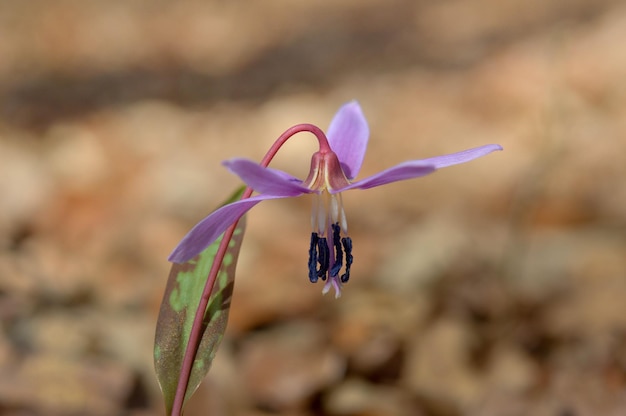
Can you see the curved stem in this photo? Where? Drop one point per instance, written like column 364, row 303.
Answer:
column 298, row 128
column 196, row 329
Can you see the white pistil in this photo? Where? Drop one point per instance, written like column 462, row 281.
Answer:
column 335, row 285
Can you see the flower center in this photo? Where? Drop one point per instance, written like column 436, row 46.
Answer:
column 329, row 239
column 329, row 242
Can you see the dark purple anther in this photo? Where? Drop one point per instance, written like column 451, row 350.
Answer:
column 347, row 246
column 334, row 271
column 313, row 258
column 323, row 257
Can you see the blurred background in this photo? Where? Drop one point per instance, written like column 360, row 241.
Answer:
column 491, row 288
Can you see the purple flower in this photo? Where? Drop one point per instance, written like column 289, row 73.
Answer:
column 333, row 169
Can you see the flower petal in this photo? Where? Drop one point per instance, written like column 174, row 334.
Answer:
column 417, row 168
column 211, row 227
column 266, row 180
column 347, row 135
column 406, row 170
column 462, row 157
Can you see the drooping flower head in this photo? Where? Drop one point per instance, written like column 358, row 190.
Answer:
column 333, row 169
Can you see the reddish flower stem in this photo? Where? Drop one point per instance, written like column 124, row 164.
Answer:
column 196, row 330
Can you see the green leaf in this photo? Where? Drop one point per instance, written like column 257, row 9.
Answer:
column 178, row 308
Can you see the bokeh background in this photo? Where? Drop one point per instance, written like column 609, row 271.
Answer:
column 491, row 288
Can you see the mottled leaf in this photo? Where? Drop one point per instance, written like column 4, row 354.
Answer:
column 178, row 308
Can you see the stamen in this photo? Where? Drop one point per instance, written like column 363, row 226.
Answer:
column 324, row 257
column 334, row 271
column 334, row 209
column 313, row 258
column 342, row 215
column 347, row 246
column 314, row 212
column 321, row 215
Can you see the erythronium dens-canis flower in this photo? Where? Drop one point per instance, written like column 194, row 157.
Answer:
column 333, row 169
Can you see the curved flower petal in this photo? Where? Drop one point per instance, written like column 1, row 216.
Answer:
column 266, row 180
column 347, row 135
column 406, row 170
column 417, row 168
column 462, row 157
column 211, row 227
